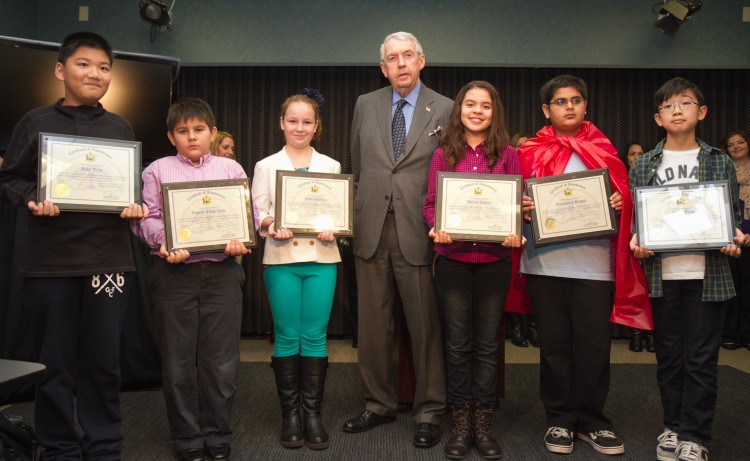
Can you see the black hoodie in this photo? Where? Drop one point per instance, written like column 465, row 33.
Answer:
column 73, row 243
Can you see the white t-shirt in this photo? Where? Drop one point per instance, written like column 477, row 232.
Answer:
column 589, row 259
column 678, row 167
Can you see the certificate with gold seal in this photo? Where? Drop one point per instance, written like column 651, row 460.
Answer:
column 203, row 216
column 571, row 206
column 310, row 203
column 478, row 207
column 88, row 174
column 683, row 217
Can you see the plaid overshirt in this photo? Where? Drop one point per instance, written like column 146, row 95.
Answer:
column 713, row 165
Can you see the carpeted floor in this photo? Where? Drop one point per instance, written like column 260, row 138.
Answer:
column 519, row 424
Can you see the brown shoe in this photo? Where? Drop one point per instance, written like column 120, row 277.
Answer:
column 459, row 441
column 483, row 438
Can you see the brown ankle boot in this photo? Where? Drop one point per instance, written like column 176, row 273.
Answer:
column 459, row 441
column 483, row 438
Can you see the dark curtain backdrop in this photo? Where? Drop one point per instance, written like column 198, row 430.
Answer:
column 247, row 102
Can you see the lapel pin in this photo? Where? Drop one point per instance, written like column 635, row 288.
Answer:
column 427, row 108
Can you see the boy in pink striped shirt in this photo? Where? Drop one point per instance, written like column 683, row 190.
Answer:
column 197, row 298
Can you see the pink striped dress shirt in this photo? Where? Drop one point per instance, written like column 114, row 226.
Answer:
column 179, row 169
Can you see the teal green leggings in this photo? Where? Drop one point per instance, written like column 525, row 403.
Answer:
column 301, row 297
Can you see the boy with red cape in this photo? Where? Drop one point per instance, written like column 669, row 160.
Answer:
column 572, row 284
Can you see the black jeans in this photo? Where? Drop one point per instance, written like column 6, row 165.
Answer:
column 687, row 333
column 471, row 297
column 77, row 328
column 572, row 318
column 197, row 315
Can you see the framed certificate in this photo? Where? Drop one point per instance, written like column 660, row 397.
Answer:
column 204, row 216
column 571, row 206
column 681, row 217
column 479, row 207
column 88, row 174
column 310, row 203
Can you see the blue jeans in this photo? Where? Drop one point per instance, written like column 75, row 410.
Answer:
column 471, row 297
column 687, row 334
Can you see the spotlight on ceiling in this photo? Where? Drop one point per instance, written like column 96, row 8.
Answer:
column 673, row 13
column 157, row 14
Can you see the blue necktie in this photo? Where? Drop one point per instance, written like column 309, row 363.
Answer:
column 399, row 130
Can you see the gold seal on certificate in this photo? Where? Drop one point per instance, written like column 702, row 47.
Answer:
column 571, row 206
column 185, row 234
column 204, row 216
column 310, row 203
column 88, row 174
column 478, row 207
column 62, row 190
column 683, row 217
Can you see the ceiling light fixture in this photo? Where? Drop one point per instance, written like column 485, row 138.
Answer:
column 158, row 15
column 673, row 13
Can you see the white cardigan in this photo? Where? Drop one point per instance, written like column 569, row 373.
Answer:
column 299, row 248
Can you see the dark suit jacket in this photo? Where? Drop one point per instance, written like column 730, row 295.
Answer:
column 377, row 175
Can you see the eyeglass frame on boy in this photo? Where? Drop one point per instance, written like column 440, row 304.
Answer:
column 683, row 105
column 563, row 102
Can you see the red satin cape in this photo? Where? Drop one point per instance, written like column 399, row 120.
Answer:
column 546, row 155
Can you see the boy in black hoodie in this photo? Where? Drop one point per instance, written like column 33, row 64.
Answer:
column 78, row 266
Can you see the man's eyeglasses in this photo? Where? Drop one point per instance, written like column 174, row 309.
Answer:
column 562, row 102
column 682, row 105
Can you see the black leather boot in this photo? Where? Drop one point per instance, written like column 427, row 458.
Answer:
column 650, row 343
column 516, row 332
column 636, row 340
column 287, row 372
column 533, row 334
column 312, row 387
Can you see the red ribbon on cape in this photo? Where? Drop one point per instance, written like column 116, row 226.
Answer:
column 546, row 155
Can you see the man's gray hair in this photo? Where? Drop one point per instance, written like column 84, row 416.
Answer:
column 400, row 36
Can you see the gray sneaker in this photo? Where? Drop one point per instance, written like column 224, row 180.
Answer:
column 559, row 440
column 691, row 451
column 605, row 442
column 666, row 450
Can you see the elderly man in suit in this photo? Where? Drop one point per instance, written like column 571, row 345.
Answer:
column 394, row 133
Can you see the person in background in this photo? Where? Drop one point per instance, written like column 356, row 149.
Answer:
column 472, row 278
column 197, row 297
column 300, row 278
column 223, row 145
column 518, row 139
column 737, row 323
column 688, row 289
column 522, row 326
column 78, row 269
column 637, row 336
column 394, row 134
column 631, row 153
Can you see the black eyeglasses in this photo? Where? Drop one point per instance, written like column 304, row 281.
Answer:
column 682, row 105
column 562, row 102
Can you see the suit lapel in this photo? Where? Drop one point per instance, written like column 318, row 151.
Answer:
column 422, row 116
column 384, row 108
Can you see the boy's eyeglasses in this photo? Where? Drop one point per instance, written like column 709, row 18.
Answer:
column 682, row 105
column 562, row 102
